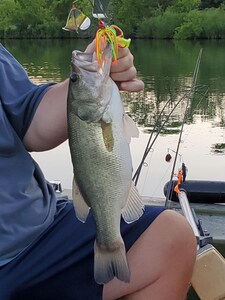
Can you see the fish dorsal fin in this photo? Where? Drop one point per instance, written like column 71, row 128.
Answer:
column 134, row 207
column 129, row 127
column 80, row 206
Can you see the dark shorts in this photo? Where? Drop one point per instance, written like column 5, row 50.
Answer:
column 59, row 265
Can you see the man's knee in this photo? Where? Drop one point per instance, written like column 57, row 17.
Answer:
column 179, row 232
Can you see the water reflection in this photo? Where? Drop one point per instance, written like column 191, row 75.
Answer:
column 166, row 67
column 43, row 73
column 49, row 57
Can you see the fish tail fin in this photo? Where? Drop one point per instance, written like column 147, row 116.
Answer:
column 110, row 264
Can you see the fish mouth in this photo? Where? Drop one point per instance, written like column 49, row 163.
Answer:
column 82, row 56
column 84, row 71
column 84, row 61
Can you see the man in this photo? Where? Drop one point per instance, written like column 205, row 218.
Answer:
column 45, row 253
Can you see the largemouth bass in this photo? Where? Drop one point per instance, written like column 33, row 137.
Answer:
column 99, row 135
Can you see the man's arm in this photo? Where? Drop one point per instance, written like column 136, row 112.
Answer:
column 48, row 128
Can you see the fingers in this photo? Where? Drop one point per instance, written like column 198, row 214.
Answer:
column 123, row 72
column 125, row 60
column 135, row 85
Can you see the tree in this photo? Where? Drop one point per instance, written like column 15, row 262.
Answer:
column 185, row 5
column 30, row 13
column 210, row 3
column 7, row 7
column 130, row 14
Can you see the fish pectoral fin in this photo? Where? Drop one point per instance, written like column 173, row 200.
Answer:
column 130, row 128
column 134, row 207
column 80, row 206
column 107, row 135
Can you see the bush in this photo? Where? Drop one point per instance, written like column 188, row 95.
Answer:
column 213, row 23
column 162, row 26
column 192, row 26
column 185, row 5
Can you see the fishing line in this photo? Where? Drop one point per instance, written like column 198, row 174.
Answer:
column 200, row 87
column 146, row 175
column 137, row 173
column 149, row 146
column 191, row 95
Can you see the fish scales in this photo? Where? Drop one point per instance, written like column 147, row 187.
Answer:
column 108, row 171
column 101, row 161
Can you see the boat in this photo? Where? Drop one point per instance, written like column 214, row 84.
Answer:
column 210, row 217
column 198, row 191
column 208, row 222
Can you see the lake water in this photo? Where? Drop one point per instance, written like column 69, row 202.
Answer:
column 166, row 67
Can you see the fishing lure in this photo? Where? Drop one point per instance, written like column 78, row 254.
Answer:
column 112, row 35
column 76, row 20
column 106, row 34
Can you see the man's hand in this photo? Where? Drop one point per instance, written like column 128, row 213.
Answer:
column 123, row 72
column 48, row 128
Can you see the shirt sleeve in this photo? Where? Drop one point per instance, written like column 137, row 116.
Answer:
column 19, row 95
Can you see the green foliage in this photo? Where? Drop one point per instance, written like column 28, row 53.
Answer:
column 191, row 27
column 213, row 23
column 127, row 14
column 30, row 13
column 36, row 19
column 210, row 3
column 162, row 26
column 185, row 5
column 165, row 19
column 7, row 8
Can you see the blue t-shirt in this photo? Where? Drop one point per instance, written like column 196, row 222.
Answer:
column 27, row 201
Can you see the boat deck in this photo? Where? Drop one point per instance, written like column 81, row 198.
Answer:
column 211, row 216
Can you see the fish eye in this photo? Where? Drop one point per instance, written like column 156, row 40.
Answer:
column 73, row 77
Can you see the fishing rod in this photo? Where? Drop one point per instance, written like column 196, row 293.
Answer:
column 189, row 98
column 149, row 146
